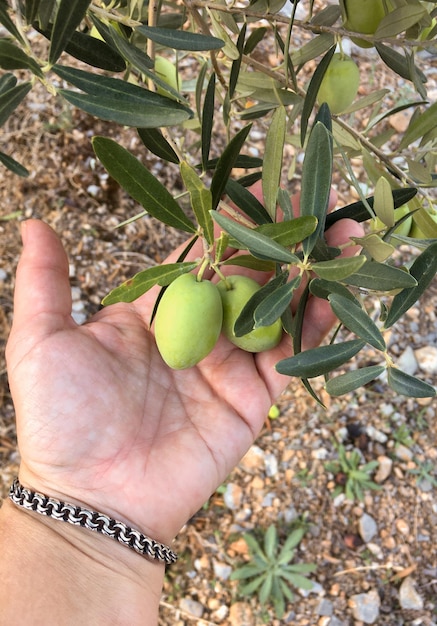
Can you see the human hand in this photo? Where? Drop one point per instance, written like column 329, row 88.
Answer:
column 102, row 420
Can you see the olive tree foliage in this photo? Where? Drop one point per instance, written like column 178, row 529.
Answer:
column 129, row 53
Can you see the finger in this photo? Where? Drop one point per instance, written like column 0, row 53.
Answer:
column 42, row 288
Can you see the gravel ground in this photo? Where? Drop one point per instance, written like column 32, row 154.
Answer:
column 376, row 559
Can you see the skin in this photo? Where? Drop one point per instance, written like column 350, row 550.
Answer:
column 101, row 420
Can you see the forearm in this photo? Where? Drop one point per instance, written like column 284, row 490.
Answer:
column 55, row 573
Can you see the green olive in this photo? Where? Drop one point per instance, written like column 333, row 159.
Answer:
column 364, row 16
column 403, row 229
column 188, row 321
column 417, row 233
column 235, row 292
column 340, row 83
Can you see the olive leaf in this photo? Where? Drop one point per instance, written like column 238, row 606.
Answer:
column 141, row 184
column 312, row 91
column 13, row 165
column 257, row 243
column 322, row 288
column 247, row 260
column 245, row 321
column 339, row 268
column 201, row 200
column 345, row 383
column 247, row 202
column 207, row 120
column 274, row 146
column 289, row 232
column 316, row 181
column 11, row 98
column 423, row 269
column 399, row 20
column 136, row 286
column 356, row 319
column 180, row 39
column 380, row 277
column 408, row 385
column 154, row 140
column 383, row 202
column 13, row 58
column 274, row 305
column 318, row 361
column 68, row 17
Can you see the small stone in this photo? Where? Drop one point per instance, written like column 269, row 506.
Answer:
column 240, row 614
column 271, row 465
column 233, row 496
column 3, row 275
column 367, row 527
column 408, row 596
column 325, row 607
column 253, row 460
column 365, row 606
column 402, row 527
column 407, row 361
column 191, row 606
column 403, row 453
column 221, row 570
column 221, row 613
column 384, row 469
column 427, row 359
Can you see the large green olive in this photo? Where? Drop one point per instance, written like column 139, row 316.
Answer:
column 364, row 16
column 340, row 83
column 235, row 292
column 188, row 321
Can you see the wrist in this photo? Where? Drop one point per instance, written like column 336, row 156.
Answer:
column 73, row 574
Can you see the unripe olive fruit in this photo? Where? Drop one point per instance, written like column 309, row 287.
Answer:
column 188, row 321
column 166, row 70
column 403, row 229
column 364, row 16
column 340, row 83
column 235, row 292
column 416, row 232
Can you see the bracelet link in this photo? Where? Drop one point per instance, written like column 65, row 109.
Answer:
column 92, row 520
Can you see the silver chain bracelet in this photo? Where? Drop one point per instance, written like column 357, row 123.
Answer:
column 93, row 520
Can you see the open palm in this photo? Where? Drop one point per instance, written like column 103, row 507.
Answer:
column 101, row 418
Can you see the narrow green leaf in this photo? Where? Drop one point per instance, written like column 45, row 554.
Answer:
column 13, row 165
column 245, row 321
column 208, row 112
column 358, row 211
column 266, row 588
column 380, row 277
column 180, row 39
column 7, row 82
column 236, row 64
column 225, row 164
column 274, row 147
column 292, row 541
column 316, row 181
column 398, row 63
column 13, row 58
column 201, row 200
column 246, row 571
column 256, row 242
column 423, row 270
column 399, row 20
column 300, row 582
column 90, row 50
column 68, row 17
column 141, row 184
column 318, row 361
column 154, row 140
column 322, row 288
column 10, row 99
column 338, row 268
column 290, row 232
column 312, row 91
column 250, row 588
column 383, row 202
column 274, row 305
column 357, row 321
column 144, row 114
column 116, row 100
column 408, row 385
column 419, row 126
column 6, row 21
column 247, row 260
column 270, row 541
column 247, row 202
column 136, row 286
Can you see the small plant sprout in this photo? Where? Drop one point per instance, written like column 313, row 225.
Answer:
column 270, row 572
column 352, row 476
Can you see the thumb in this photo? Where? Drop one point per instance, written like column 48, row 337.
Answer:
column 42, row 288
